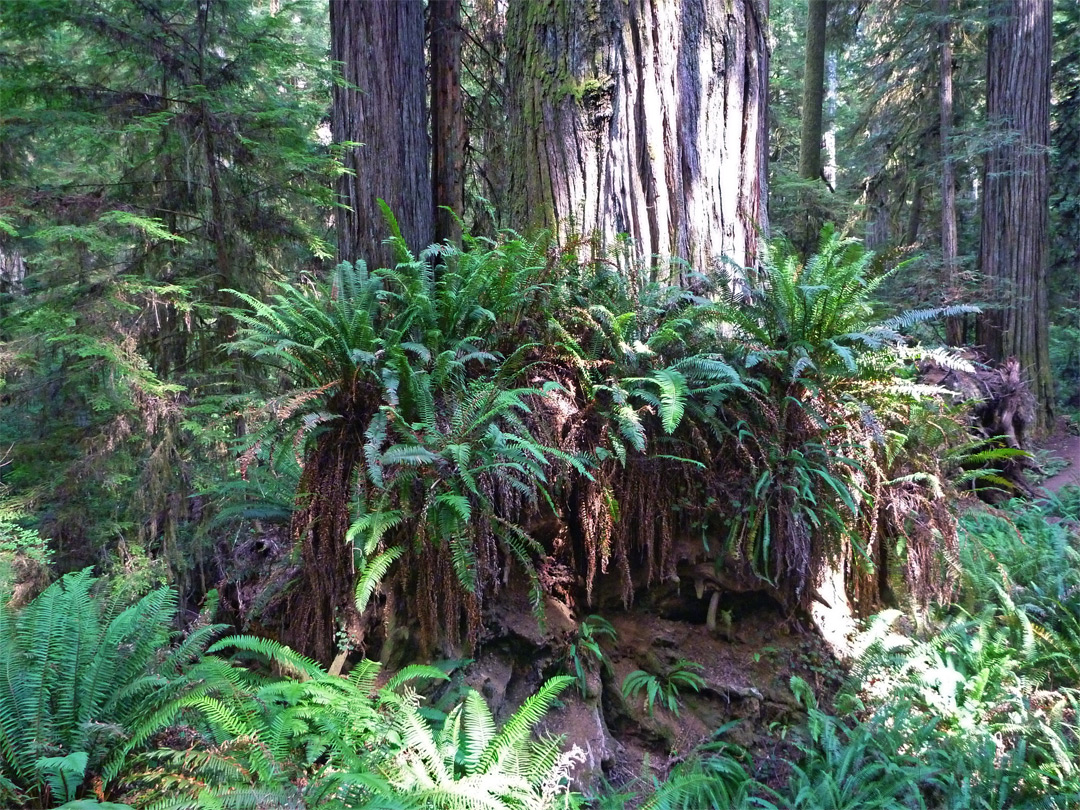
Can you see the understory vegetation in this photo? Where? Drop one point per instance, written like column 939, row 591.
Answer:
column 502, row 417
column 510, row 408
column 973, row 707
column 503, row 405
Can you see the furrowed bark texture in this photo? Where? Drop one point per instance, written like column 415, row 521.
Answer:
column 381, row 105
column 447, row 118
column 644, row 117
column 1013, row 249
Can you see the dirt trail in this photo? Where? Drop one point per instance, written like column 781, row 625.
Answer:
column 1067, row 447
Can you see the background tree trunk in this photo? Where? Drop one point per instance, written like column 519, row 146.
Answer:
column 813, row 211
column 381, row 106
column 954, row 327
column 1015, row 205
column 813, row 91
column 914, row 220
column 828, row 171
column 645, row 117
column 447, row 118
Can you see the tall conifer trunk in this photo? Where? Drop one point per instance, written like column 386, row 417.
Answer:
column 644, row 117
column 447, row 118
column 813, row 91
column 954, row 327
column 829, row 169
column 813, row 99
column 381, row 105
column 1015, row 205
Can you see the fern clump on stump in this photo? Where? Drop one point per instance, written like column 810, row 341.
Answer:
column 818, row 430
column 442, row 413
column 409, row 410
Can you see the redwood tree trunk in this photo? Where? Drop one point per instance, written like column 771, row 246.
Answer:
column 644, row 117
column 447, row 118
column 1015, row 207
column 380, row 46
column 381, row 106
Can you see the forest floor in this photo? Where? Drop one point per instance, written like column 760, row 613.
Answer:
column 1065, row 446
column 746, row 672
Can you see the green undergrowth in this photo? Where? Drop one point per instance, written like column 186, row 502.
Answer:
column 399, row 432
column 974, row 705
column 444, row 406
column 976, row 708
column 411, row 425
column 102, row 700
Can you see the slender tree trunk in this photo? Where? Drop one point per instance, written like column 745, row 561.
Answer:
column 1015, row 204
column 879, row 226
column 643, row 117
column 875, row 193
column 380, row 105
column 829, row 169
column 813, row 91
column 954, row 327
column 447, row 118
column 911, row 232
column 219, row 226
column 810, row 167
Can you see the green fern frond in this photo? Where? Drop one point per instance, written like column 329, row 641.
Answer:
column 410, row 455
column 673, row 394
column 518, row 727
column 372, row 574
column 479, row 730
column 274, row 651
column 412, row 673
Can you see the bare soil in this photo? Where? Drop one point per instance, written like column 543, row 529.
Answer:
column 1066, row 446
column 745, row 673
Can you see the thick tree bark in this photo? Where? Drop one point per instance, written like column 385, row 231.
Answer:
column 1013, row 249
column 447, row 118
column 381, row 106
column 954, row 327
column 644, row 117
column 813, row 91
